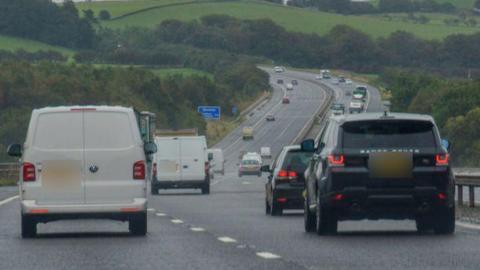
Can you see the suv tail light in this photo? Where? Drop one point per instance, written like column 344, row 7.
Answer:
column 139, row 170
column 284, row 175
column 441, row 159
column 207, row 168
column 154, row 169
column 336, row 160
column 28, row 172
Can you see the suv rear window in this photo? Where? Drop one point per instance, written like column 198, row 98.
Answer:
column 296, row 161
column 381, row 133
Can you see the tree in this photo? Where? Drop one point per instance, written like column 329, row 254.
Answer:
column 104, row 15
column 477, row 4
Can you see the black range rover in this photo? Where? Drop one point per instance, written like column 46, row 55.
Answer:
column 379, row 166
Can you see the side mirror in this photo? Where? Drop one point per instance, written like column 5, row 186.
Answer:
column 308, row 145
column 15, row 150
column 150, row 148
column 265, row 168
column 446, row 144
column 210, row 156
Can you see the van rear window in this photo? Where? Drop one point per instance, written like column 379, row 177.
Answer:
column 382, row 133
column 108, row 130
column 59, row 131
column 296, row 161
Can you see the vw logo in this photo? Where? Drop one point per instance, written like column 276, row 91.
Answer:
column 93, row 168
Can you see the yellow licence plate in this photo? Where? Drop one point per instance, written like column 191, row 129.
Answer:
column 390, row 165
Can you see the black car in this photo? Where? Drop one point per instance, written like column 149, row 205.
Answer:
column 280, row 81
column 294, row 82
column 341, row 79
column 286, row 182
column 379, row 166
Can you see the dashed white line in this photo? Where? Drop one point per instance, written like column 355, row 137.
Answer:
column 226, row 239
column 160, row 214
column 177, row 221
column 8, row 200
column 197, row 229
column 245, row 183
column 151, row 209
column 268, row 255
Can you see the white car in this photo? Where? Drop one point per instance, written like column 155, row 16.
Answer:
column 289, row 86
column 83, row 162
column 356, row 107
column 217, row 162
column 278, row 69
column 250, row 165
column 348, row 81
column 318, row 77
column 265, row 152
column 182, row 162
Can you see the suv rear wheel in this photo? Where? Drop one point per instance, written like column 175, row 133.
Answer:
column 29, row 227
column 445, row 221
column 137, row 225
column 309, row 218
column 268, row 209
column 326, row 220
column 206, row 186
column 275, row 209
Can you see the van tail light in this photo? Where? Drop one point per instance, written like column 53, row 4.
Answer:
column 441, row 159
column 207, row 168
column 28, row 172
column 284, row 175
column 154, row 169
column 336, row 160
column 139, row 170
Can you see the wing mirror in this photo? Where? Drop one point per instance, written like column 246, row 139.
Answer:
column 210, row 156
column 15, row 150
column 150, row 148
column 446, row 144
column 308, row 145
column 265, row 168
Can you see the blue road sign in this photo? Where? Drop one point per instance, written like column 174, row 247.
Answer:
column 209, row 112
column 234, row 110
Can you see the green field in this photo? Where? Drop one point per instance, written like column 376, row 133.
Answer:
column 293, row 19
column 464, row 4
column 162, row 72
column 12, row 44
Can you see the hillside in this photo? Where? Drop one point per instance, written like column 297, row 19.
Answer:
column 12, row 44
column 294, row 19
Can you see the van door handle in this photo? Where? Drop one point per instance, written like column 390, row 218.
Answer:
column 185, row 166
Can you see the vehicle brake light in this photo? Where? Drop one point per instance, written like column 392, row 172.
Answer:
column 442, row 196
column 82, row 109
column 282, row 174
column 292, row 174
column 28, row 172
column 207, row 168
column 139, row 170
column 155, row 169
column 338, row 197
column 441, row 159
column 282, row 200
column 336, row 160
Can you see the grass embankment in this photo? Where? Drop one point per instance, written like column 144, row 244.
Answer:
column 8, row 182
column 13, row 44
column 293, row 19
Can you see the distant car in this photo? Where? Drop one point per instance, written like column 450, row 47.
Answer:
column 265, row 152
column 289, row 86
column 278, row 69
column 356, row 107
column 280, row 81
column 294, row 82
column 360, row 92
column 348, row 81
column 341, row 79
column 335, row 82
column 286, row 100
column 250, row 165
column 270, row 117
column 318, row 77
column 217, row 162
column 380, row 166
column 247, row 133
column 286, row 182
column 338, row 109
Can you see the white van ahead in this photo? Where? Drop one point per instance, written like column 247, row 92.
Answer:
column 217, row 162
column 83, row 162
column 181, row 163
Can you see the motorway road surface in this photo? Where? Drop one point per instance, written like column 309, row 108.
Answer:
column 229, row 229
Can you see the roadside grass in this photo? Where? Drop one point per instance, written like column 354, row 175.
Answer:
column 13, row 44
column 293, row 19
column 8, row 182
column 464, row 4
column 163, row 72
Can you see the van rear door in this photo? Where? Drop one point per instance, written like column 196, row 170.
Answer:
column 193, row 158
column 57, row 154
column 112, row 147
column 168, row 160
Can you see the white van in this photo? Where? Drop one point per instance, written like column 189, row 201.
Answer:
column 265, row 152
column 217, row 162
column 83, row 162
column 181, row 163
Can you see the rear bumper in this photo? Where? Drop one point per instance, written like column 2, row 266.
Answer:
column 178, row 184
column 257, row 172
column 289, row 197
column 30, row 207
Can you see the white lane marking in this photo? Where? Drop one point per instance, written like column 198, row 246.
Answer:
column 8, row 200
column 245, row 183
column 468, row 225
column 177, row 221
column 226, row 239
column 268, row 255
column 160, row 214
column 151, row 209
column 197, row 229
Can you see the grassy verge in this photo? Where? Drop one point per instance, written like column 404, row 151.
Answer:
column 163, row 72
column 12, row 44
column 293, row 19
column 8, row 182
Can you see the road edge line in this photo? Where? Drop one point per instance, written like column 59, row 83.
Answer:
column 467, row 225
column 7, row 200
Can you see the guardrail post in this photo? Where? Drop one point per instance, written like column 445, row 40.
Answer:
column 471, row 191
column 460, row 195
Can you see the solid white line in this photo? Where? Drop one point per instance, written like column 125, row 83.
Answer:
column 177, row 221
column 468, row 225
column 226, row 239
column 160, row 214
column 245, row 183
column 8, row 200
column 268, row 255
column 197, row 229
column 151, row 209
